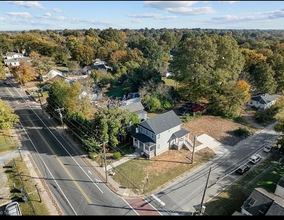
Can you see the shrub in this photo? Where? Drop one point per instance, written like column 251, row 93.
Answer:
column 242, row 132
column 117, row 155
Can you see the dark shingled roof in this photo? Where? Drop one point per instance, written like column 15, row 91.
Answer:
column 143, row 138
column 162, row 122
column 182, row 132
column 281, row 182
column 261, row 202
column 265, row 98
column 133, row 107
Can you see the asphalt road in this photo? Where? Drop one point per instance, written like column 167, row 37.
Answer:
column 78, row 190
column 208, row 180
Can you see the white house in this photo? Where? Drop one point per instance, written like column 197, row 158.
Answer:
column 12, row 62
column 13, row 59
column 51, row 74
column 13, row 55
column 160, row 133
column 263, row 101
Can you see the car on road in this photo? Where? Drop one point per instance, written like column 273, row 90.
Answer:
column 255, row 158
column 267, row 148
column 243, row 169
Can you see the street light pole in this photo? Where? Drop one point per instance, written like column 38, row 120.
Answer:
column 194, row 141
column 105, row 160
column 201, row 206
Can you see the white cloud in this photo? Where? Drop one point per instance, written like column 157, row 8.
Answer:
column 19, row 14
column 2, row 19
column 168, row 4
column 47, row 14
column 192, row 11
column 57, row 10
column 258, row 16
column 143, row 15
column 179, row 7
column 166, row 17
column 61, row 18
column 27, row 4
column 135, row 21
column 228, row 2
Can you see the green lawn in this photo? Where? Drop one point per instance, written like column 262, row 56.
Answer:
column 62, row 69
column 6, row 142
column 170, row 82
column 19, row 176
column 116, row 91
column 143, row 182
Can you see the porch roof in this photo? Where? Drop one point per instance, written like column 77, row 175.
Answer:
column 143, row 138
column 182, row 132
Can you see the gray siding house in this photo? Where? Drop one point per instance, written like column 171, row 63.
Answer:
column 263, row 102
column 264, row 203
column 136, row 108
column 160, row 133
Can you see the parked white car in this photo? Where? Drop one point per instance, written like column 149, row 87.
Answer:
column 267, row 148
column 255, row 158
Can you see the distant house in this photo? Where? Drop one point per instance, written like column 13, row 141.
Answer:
column 263, row 203
column 13, row 59
column 51, row 74
column 12, row 62
column 13, row 55
column 136, row 108
column 160, row 133
column 98, row 64
column 263, row 102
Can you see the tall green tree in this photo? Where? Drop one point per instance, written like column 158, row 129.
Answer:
column 7, row 116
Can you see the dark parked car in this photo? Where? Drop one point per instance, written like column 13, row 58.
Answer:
column 241, row 170
column 183, row 110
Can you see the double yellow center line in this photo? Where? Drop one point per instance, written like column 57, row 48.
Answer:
column 59, row 161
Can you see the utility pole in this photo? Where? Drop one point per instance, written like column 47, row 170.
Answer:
column 40, row 98
column 19, row 149
column 201, row 206
column 60, row 114
column 105, row 160
column 38, row 193
column 194, row 141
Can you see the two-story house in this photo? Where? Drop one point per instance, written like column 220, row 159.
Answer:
column 263, row 101
column 264, row 203
column 160, row 133
column 13, row 59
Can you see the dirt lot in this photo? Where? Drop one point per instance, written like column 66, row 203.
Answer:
column 216, row 127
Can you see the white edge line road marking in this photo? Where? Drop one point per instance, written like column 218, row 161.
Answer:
column 64, row 149
column 48, row 169
column 130, row 206
column 62, row 146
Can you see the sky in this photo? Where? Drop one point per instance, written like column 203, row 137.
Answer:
column 56, row 15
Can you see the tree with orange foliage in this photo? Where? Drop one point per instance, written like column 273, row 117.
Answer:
column 24, row 72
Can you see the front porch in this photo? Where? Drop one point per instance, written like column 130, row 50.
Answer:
column 180, row 139
column 144, row 145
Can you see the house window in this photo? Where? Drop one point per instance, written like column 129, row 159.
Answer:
column 158, row 146
column 251, row 202
column 152, row 136
column 158, row 136
column 141, row 130
column 135, row 141
column 263, row 209
column 147, row 133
